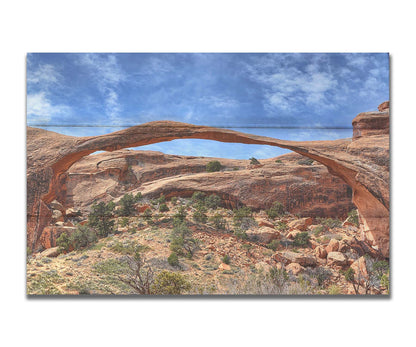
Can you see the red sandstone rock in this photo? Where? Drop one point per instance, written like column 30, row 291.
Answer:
column 266, row 223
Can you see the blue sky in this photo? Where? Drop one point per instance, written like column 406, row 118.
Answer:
column 256, row 93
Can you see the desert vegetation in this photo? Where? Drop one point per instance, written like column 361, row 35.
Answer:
column 193, row 245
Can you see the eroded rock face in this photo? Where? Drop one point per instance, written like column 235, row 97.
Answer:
column 303, row 189
column 363, row 164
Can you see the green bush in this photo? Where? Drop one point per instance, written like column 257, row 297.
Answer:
column 218, row 221
column 353, row 218
column 282, row 226
column 199, row 216
column 169, row 283
column 226, row 259
column 82, row 237
column 127, row 205
column 100, row 218
column 63, row 242
column 273, row 245
column 254, row 161
column 212, row 201
column 301, row 239
column 306, row 161
column 276, row 210
column 198, row 197
column 213, row 166
column 163, row 208
column 329, row 223
column 173, row 259
column 182, row 242
column 180, row 215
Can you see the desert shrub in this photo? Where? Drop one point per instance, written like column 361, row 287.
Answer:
column 385, row 281
column 199, row 215
column 274, row 244
column 63, row 242
column 147, row 214
column 254, row 161
column 212, row 201
column 213, row 166
column 301, row 239
column 218, row 221
column 278, row 276
column 124, row 222
column 278, row 161
column 174, row 200
column 329, row 223
column 305, row 161
column 318, row 230
column 198, row 197
column 242, row 212
column 126, row 204
column 100, row 218
column 182, row 242
column 321, row 274
column 180, row 215
column 226, row 259
column 163, row 208
column 282, row 226
column 380, row 268
column 169, row 283
column 241, row 234
column 334, row 290
column 353, row 217
column 276, row 210
column 82, row 237
column 173, row 259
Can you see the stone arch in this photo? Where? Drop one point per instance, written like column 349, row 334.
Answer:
column 45, row 168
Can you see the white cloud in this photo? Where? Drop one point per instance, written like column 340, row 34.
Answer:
column 107, row 74
column 41, row 110
column 44, row 76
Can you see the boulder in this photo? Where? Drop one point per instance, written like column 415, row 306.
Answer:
column 337, row 259
column 263, row 234
column 56, row 205
column 360, row 268
column 301, row 224
column 50, row 252
column 332, row 246
column 295, row 268
column 320, row 252
column 265, row 223
column 71, row 212
column 57, row 216
column 293, row 257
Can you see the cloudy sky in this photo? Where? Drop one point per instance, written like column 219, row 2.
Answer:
column 288, row 96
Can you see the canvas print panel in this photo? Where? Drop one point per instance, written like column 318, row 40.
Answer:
column 208, row 174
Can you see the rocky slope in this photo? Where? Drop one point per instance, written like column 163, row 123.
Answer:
column 361, row 162
column 266, row 261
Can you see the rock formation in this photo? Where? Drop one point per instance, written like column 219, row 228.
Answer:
column 362, row 162
column 303, row 189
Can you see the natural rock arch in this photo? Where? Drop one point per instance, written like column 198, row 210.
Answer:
column 49, row 156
